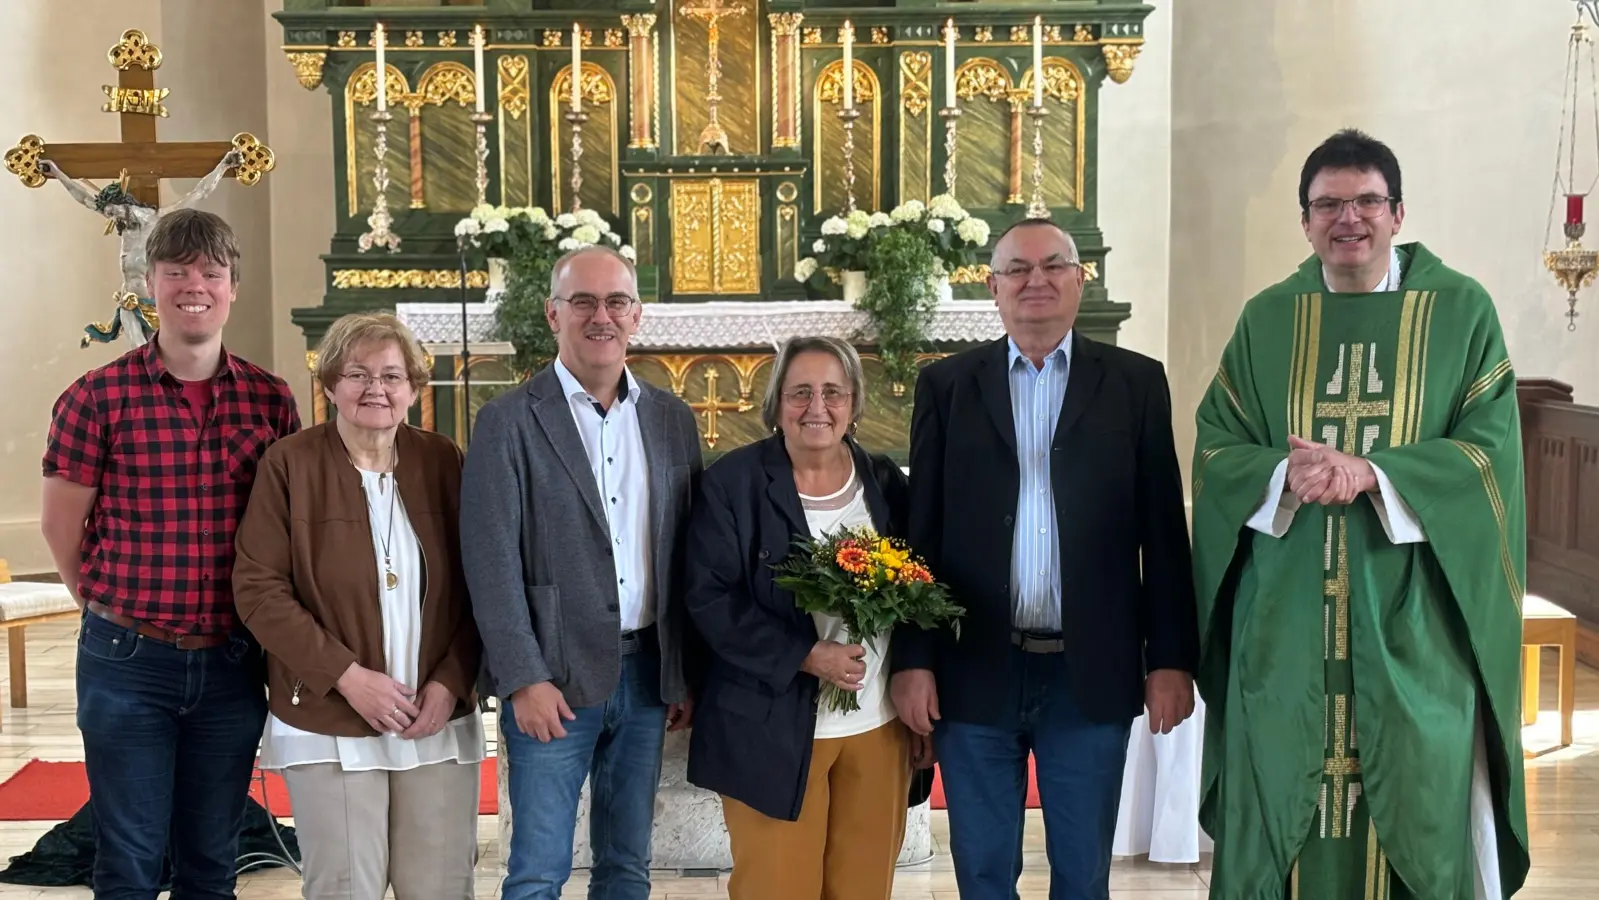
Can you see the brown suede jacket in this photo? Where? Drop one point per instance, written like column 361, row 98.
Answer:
column 306, row 584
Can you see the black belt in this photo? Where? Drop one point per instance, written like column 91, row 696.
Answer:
column 639, row 639
column 1039, row 642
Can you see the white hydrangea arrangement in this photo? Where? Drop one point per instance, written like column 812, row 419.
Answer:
column 955, row 234
column 516, row 232
column 845, row 244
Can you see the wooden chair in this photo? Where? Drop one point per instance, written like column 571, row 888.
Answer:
column 1543, row 624
column 23, row 604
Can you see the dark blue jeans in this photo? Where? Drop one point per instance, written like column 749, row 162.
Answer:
column 169, row 742
column 1079, row 769
column 617, row 746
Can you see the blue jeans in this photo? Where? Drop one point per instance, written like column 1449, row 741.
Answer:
column 617, row 745
column 1079, row 766
column 169, row 743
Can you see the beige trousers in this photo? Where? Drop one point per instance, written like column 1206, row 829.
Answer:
column 361, row 832
column 851, row 825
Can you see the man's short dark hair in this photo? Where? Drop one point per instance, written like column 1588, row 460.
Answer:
column 185, row 235
column 1351, row 149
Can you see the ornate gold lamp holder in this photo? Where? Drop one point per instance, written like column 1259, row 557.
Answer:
column 1573, row 266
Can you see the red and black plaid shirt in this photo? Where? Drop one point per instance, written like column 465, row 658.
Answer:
column 159, row 545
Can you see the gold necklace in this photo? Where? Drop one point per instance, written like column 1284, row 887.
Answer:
column 390, row 580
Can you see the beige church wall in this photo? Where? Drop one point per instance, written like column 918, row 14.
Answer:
column 302, row 217
column 68, row 268
column 1467, row 93
column 1135, row 187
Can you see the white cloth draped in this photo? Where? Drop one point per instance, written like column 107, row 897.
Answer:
column 1159, row 814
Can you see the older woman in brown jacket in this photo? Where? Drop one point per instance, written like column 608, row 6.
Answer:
column 349, row 575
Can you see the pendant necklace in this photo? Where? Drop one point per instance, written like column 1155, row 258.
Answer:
column 390, row 580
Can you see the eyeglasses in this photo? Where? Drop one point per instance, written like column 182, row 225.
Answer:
column 832, row 397
column 588, row 304
column 1367, row 206
column 1053, row 268
column 390, row 380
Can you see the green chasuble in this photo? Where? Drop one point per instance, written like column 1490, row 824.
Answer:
column 1343, row 673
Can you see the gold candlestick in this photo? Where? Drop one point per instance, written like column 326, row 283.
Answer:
column 847, row 116
column 577, row 118
column 378, row 222
column 950, row 114
column 1037, row 209
column 482, row 120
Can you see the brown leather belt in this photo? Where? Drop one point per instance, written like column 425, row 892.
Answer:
column 144, row 629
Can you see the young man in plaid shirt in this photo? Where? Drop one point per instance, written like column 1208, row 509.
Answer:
column 148, row 468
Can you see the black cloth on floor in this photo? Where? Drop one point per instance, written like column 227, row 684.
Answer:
column 64, row 857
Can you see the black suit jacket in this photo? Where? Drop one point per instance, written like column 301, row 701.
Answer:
column 756, row 720
column 1127, row 595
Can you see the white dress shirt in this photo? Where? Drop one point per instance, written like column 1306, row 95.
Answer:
column 615, row 448
column 1036, row 395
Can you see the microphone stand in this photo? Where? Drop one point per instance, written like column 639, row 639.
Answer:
column 466, row 353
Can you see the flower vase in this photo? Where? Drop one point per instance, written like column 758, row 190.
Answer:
column 499, row 270
column 854, row 286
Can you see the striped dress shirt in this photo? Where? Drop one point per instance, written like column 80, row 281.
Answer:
column 1036, row 395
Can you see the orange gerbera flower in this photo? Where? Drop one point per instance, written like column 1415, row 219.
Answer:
column 915, row 572
column 853, row 560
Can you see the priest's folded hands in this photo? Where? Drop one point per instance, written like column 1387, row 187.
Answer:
column 1319, row 474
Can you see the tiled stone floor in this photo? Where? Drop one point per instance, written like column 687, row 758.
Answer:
column 1562, row 799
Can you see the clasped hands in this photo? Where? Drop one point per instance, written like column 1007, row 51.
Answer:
column 1319, row 474
column 393, row 708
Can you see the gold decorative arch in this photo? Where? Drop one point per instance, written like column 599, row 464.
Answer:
column 987, row 150
column 827, row 96
column 1065, row 129
column 442, row 137
column 601, row 186
column 360, row 93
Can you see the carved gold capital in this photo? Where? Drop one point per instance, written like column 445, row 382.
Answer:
column 23, row 160
column 1119, row 60
column 134, row 51
column 640, row 25
column 308, row 68
column 257, row 158
column 139, row 101
column 785, row 24
column 310, row 361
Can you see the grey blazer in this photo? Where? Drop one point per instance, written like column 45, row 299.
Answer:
column 537, row 551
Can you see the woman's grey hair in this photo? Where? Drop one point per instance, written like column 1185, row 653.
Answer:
column 841, row 350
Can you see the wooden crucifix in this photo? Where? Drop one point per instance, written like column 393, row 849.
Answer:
column 140, row 157
column 138, row 163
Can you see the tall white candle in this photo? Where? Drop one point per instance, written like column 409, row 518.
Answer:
column 382, row 70
column 1038, row 60
column 577, row 67
column 949, row 63
column 477, row 65
column 848, row 34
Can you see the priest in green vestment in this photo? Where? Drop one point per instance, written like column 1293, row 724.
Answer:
column 1360, row 556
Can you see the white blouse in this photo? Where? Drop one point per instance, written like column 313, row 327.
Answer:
column 846, row 508
column 461, row 739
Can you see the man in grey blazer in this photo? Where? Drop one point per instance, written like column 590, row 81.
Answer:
column 574, row 500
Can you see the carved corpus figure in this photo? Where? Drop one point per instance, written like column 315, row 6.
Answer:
column 134, row 316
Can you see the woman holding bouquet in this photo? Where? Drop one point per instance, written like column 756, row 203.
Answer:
column 814, row 797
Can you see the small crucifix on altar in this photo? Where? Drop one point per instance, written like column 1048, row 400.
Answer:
column 135, row 167
column 713, row 139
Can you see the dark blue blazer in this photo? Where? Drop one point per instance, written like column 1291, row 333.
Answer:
column 756, row 716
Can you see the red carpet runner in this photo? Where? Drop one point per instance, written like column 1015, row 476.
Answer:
column 53, row 791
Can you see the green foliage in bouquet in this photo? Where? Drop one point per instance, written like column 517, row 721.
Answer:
column 901, row 299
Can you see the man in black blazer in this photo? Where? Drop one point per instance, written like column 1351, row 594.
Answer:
column 1045, row 491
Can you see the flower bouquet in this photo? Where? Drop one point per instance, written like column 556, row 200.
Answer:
column 871, row 584
column 530, row 240
column 952, row 232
